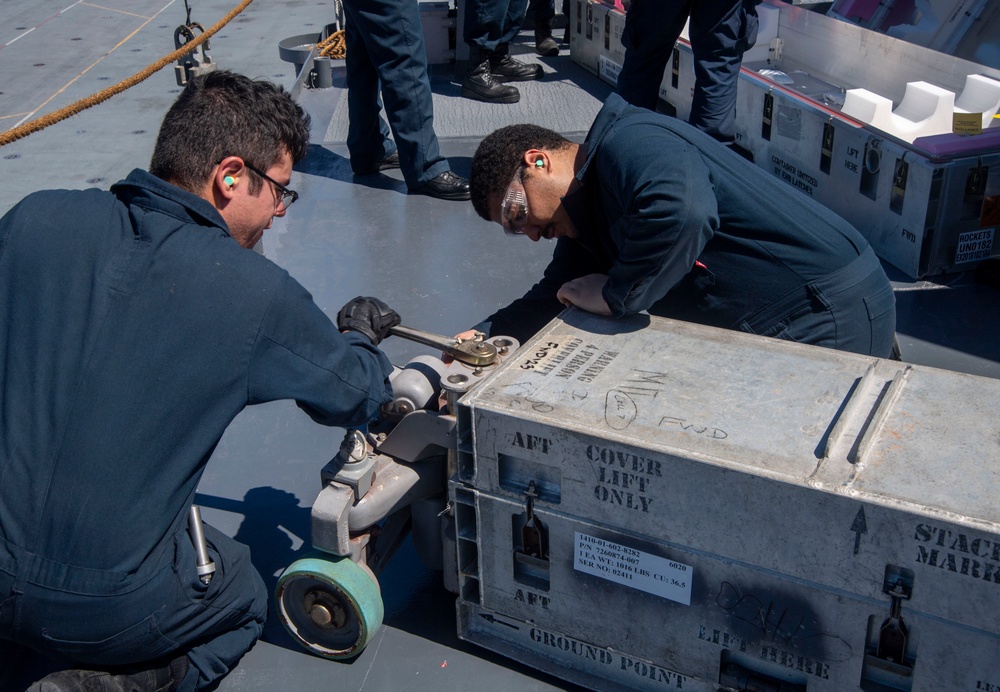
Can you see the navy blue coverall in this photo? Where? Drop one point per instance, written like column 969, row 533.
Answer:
column 490, row 25
column 721, row 31
column 686, row 229
column 385, row 44
column 546, row 9
column 135, row 329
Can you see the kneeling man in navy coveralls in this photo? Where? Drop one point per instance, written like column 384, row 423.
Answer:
column 137, row 323
column 651, row 214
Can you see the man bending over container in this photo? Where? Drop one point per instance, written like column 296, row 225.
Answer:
column 137, row 324
column 652, row 214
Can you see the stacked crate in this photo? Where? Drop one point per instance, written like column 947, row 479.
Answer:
column 896, row 138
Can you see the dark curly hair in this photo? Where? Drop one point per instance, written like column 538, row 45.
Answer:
column 498, row 156
column 224, row 114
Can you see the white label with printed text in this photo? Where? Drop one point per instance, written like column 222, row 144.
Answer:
column 644, row 571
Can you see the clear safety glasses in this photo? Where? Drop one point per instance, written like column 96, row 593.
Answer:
column 514, row 208
column 283, row 196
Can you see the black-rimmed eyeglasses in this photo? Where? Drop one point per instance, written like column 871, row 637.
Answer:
column 286, row 196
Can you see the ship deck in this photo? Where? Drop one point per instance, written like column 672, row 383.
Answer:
column 440, row 265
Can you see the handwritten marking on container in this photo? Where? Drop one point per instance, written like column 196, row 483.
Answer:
column 772, row 621
column 537, row 360
column 633, row 568
column 645, row 383
column 549, row 355
column 520, row 395
column 619, row 409
column 695, row 428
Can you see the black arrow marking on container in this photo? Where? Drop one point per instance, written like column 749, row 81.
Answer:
column 489, row 617
column 859, row 527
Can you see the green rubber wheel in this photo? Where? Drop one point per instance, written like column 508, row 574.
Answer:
column 330, row 605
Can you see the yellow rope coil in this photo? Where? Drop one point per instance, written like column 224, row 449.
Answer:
column 26, row 129
column 333, row 47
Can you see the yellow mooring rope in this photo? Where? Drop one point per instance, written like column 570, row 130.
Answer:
column 26, row 129
column 333, row 47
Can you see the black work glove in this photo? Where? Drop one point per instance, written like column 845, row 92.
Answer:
column 367, row 315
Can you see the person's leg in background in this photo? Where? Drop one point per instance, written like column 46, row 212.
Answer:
column 651, row 29
column 721, row 32
column 482, row 29
column 390, row 41
column 542, row 12
column 503, row 65
column 367, row 133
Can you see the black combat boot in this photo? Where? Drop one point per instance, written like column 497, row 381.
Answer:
column 79, row 680
column 165, row 679
column 445, row 186
column 544, row 43
column 479, row 83
column 505, row 68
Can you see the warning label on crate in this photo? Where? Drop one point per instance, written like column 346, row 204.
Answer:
column 609, row 69
column 974, row 245
column 644, row 571
column 793, row 175
column 967, row 123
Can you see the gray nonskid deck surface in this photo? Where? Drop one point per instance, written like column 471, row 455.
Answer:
column 566, row 99
column 440, row 265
